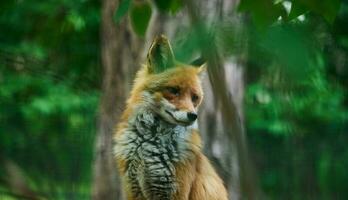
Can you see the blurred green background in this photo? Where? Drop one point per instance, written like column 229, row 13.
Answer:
column 49, row 90
column 296, row 93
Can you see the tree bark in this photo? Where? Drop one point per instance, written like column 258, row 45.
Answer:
column 229, row 150
column 120, row 53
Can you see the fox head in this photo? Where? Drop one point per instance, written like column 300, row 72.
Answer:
column 169, row 88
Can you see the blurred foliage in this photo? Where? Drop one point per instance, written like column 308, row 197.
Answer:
column 140, row 12
column 296, row 98
column 49, row 89
column 140, row 15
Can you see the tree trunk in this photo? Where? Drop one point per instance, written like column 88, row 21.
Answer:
column 120, row 53
column 222, row 125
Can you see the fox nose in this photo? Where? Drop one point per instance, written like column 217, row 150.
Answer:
column 192, row 116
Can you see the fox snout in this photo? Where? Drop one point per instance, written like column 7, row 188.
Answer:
column 191, row 116
column 181, row 117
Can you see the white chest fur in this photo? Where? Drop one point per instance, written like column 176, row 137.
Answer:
column 151, row 148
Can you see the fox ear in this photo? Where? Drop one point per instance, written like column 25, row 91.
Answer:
column 200, row 64
column 202, row 68
column 160, row 56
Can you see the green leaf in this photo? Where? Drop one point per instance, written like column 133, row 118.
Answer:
column 287, row 46
column 121, row 10
column 263, row 12
column 327, row 8
column 176, row 6
column 163, row 5
column 168, row 5
column 140, row 16
column 297, row 9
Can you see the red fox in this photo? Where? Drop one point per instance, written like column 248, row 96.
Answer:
column 157, row 144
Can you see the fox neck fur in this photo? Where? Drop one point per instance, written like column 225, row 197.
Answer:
column 151, row 148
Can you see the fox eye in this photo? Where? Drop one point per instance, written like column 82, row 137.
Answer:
column 194, row 98
column 173, row 90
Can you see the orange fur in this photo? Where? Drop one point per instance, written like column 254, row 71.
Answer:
column 196, row 178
